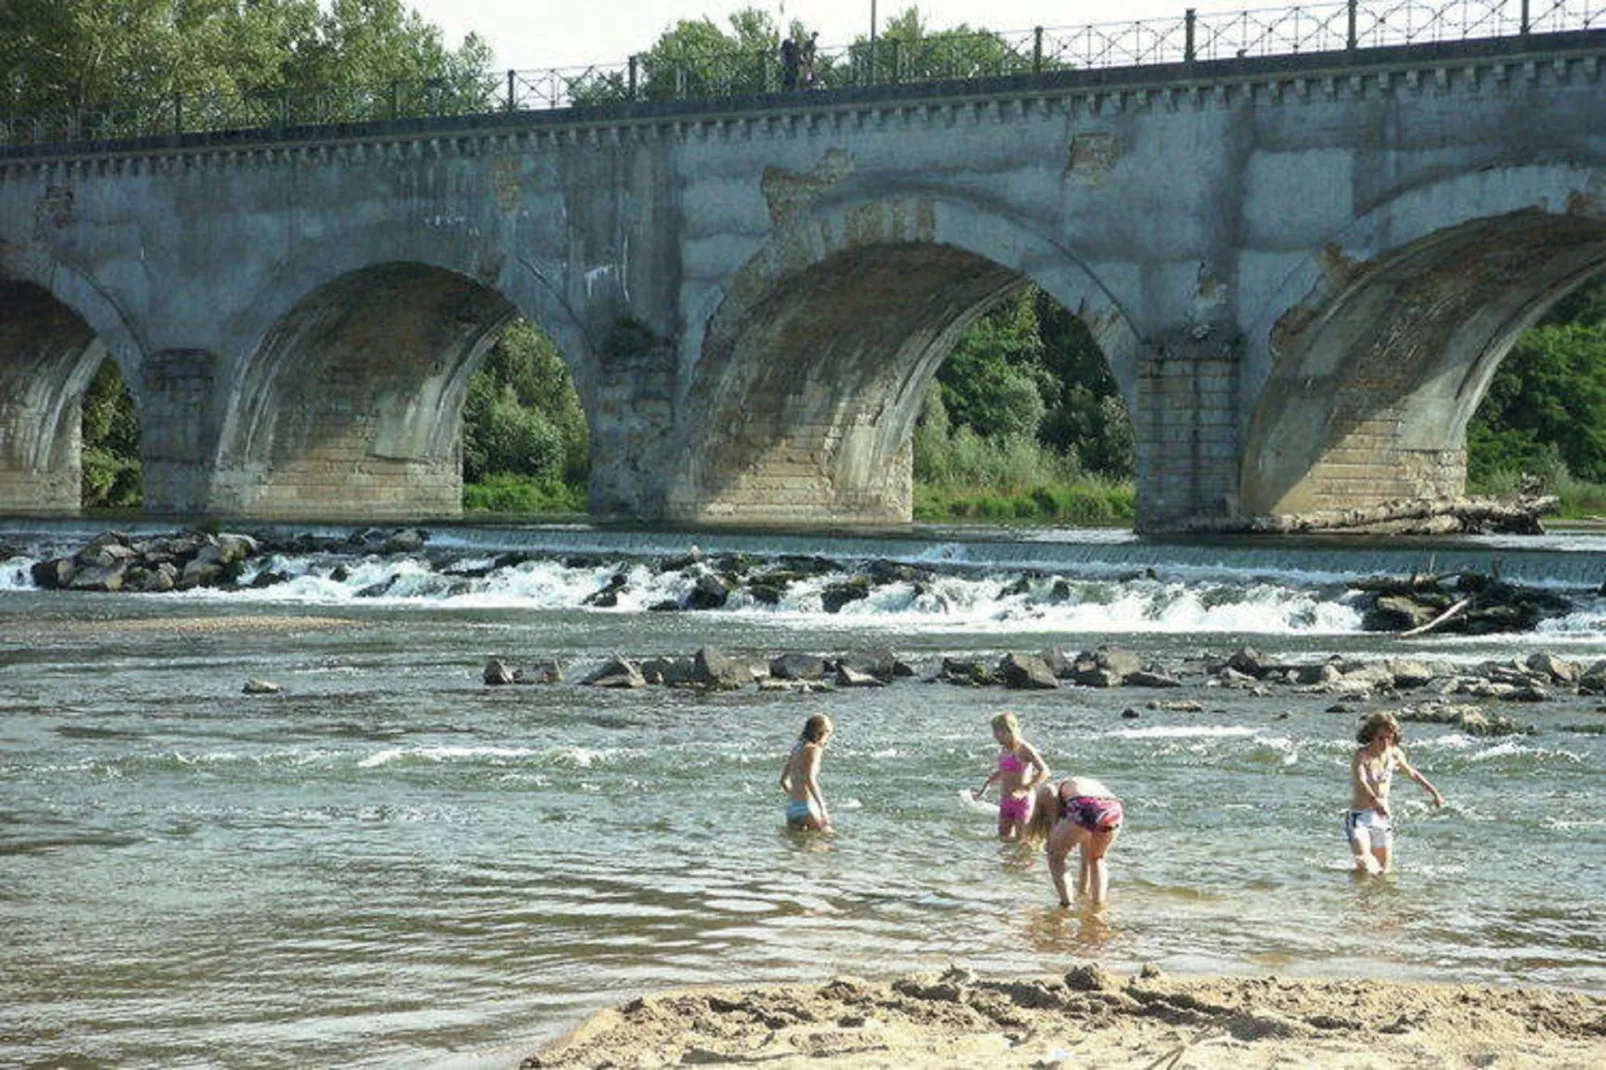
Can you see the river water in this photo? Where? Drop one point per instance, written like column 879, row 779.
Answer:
column 391, row 864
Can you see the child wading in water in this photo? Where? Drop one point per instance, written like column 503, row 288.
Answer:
column 1081, row 813
column 1369, row 824
column 800, row 777
column 1021, row 771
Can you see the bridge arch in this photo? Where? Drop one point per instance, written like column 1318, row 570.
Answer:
column 354, row 396
column 1371, row 379
column 800, row 389
column 56, row 329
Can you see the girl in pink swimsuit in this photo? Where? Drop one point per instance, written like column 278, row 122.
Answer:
column 1021, row 770
column 1079, row 813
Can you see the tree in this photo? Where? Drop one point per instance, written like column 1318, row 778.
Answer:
column 697, row 59
column 1550, row 393
column 522, row 416
column 224, row 55
column 908, row 50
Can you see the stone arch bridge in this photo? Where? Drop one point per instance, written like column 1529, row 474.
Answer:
column 1303, row 272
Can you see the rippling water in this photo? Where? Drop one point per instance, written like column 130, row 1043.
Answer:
column 391, row 864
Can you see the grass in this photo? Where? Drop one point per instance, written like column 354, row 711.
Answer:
column 503, row 493
column 1088, row 502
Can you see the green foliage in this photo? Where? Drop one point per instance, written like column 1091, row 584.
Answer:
column 1087, row 502
column 1027, row 387
column 909, row 50
column 503, row 493
column 1545, row 407
column 62, row 55
column 698, row 59
column 110, row 472
column 522, row 416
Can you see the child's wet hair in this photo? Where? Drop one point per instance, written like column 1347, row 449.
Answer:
column 815, row 728
column 1380, row 721
column 1007, row 720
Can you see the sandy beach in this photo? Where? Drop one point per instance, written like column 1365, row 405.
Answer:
column 1092, row 1018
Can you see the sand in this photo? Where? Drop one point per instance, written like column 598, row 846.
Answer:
column 1089, row 1018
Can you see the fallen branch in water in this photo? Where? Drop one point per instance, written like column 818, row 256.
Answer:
column 1442, row 618
column 1439, row 516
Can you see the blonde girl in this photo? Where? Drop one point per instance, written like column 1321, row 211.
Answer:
column 1081, row 814
column 1020, row 772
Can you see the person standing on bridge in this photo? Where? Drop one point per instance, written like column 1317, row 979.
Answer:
column 789, row 64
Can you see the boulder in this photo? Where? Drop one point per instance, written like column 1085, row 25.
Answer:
column 1475, row 722
column 708, row 591
column 1026, row 672
column 163, row 577
column 883, row 664
column 234, row 548
column 1121, row 662
column 710, row 668
column 848, row 676
column 1230, row 677
column 1406, row 673
column 496, row 673
column 681, row 562
column 99, row 577
column 405, row 541
column 1178, row 706
column 669, row 671
column 837, row 595
column 1591, row 682
column 1556, row 670
column 799, row 667
column 607, row 596
column 616, row 672
column 967, row 672
column 1058, row 663
column 545, row 671
column 1399, row 613
column 1248, row 660
column 1150, row 678
column 1094, row 676
column 260, row 687
column 54, row 574
column 767, row 593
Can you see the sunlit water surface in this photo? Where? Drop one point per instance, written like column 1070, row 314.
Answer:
column 392, row 864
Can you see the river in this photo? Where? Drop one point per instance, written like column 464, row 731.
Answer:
column 389, row 863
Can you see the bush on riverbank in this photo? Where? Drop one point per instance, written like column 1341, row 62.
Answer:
column 1089, row 502
column 506, row 493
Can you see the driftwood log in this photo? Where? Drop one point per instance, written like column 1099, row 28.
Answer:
column 1426, row 516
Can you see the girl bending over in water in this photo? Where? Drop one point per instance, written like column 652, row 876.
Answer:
column 1079, row 813
column 1021, row 771
column 800, row 777
column 1369, row 821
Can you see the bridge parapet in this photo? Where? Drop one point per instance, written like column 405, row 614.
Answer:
column 1207, row 48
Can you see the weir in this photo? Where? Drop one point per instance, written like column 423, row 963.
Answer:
column 1304, row 245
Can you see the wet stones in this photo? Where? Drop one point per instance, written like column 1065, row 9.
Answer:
column 1465, row 604
column 1026, row 672
column 616, row 672
column 498, row 673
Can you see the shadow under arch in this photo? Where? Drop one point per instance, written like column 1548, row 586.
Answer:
column 1373, row 386
column 800, row 391
column 351, row 406
column 54, row 334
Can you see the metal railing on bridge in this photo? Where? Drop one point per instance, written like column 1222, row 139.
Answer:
column 1344, row 25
